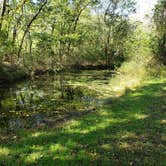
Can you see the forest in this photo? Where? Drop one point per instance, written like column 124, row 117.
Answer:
column 82, row 82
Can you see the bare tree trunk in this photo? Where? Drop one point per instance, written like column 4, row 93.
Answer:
column 30, row 44
column 106, row 48
column 18, row 21
column 4, row 5
column 109, row 23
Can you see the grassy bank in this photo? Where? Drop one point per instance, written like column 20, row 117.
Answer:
column 128, row 129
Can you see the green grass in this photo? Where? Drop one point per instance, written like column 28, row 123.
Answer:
column 127, row 130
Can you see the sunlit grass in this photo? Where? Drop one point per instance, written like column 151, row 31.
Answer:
column 140, row 116
column 4, row 151
column 37, row 134
column 127, row 128
column 33, row 157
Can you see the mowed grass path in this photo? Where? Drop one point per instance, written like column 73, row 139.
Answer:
column 126, row 130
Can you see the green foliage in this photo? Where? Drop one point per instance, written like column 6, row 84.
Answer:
column 118, row 28
column 159, row 44
column 124, row 129
column 64, row 33
column 6, row 47
column 90, row 118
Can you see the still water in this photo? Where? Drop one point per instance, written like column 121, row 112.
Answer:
column 49, row 98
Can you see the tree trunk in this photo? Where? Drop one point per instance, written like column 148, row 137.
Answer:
column 4, row 5
column 28, row 27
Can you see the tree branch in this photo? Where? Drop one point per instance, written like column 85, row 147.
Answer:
column 28, row 27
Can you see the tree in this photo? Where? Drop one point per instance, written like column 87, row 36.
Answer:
column 52, row 35
column 116, row 19
column 28, row 26
column 160, row 30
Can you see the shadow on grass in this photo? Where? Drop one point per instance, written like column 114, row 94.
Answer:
column 129, row 130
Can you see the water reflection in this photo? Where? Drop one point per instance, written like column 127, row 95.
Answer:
column 35, row 100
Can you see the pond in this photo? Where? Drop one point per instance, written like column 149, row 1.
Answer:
column 46, row 100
